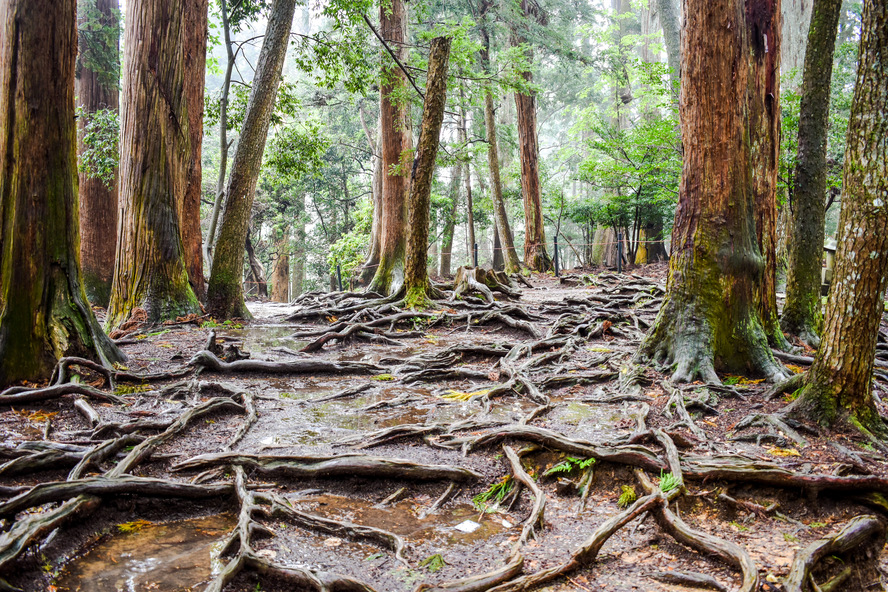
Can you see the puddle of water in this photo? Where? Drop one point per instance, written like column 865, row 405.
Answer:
column 170, row 557
column 403, row 518
column 260, row 338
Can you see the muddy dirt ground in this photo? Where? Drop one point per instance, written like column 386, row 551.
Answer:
column 298, row 458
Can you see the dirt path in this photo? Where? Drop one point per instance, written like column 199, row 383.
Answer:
column 495, row 447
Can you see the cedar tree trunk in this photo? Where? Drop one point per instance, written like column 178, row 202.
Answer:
column 535, row 256
column 150, row 270
column 416, row 277
column 369, row 269
column 44, row 314
column 280, row 273
column 225, row 294
column 802, row 311
column 397, row 145
column 96, row 91
column 669, row 13
column 839, row 383
column 450, row 222
column 299, row 248
column 464, row 139
column 763, row 36
column 189, row 208
column 710, row 315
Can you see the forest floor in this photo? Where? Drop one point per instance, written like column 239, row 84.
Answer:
column 281, row 464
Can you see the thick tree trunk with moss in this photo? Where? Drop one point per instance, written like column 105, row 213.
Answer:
column 839, row 383
column 397, row 144
column 710, row 315
column 225, row 293
column 802, row 311
column 44, row 314
column 535, row 255
column 189, row 208
column 416, row 277
column 96, row 90
column 450, row 222
column 763, row 36
column 150, row 269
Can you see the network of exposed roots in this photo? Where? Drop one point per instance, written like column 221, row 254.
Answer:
column 513, row 360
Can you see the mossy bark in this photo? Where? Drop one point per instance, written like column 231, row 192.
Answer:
column 150, row 268
column 44, row 314
column 225, row 293
column 397, row 144
column 802, row 314
column 98, row 201
column 196, row 31
column 710, row 316
column 839, row 383
column 416, row 272
column 763, row 35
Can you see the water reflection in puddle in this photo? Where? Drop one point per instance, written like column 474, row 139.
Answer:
column 168, row 557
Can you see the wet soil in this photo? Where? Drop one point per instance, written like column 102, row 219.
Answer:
column 176, row 546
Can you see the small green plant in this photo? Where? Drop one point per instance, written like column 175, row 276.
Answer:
column 868, row 447
column 433, row 563
column 374, row 557
column 495, row 493
column 817, row 525
column 383, row 377
column 125, row 389
column 570, row 464
column 134, row 526
column 627, row 497
column 668, row 482
column 210, row 324
column 739, row 526
column 229, row 324
column 790, row 538
column 790, row 397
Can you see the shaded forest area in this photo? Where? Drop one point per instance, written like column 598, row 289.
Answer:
column 456, row 296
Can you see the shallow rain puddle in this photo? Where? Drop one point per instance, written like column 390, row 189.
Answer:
column 160, row 557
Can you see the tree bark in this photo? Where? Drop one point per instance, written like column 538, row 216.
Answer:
column 710, row 315
column 397, row 144
column 150, row 268
column 669, row 13
column 257, row 271
column 763, row 35
column 802, row 311
column 450, row 222
column 511, row 263
column 369, row 268
column 535, row 255
column 464, row 138
column 280, row 273
column 299, row 248
column 794, row 26
column 225, row 294
column 96, row 91
column 189, row 208
column 839, row 383
column 416, row 277
column 44, row 314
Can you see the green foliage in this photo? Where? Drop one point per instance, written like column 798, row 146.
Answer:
column 98, row 35
column 348, row 252
column 489, row 499
column 627, row 497
column 569, row 465
column 433, row 563
column 668, row 482
column 100, row 137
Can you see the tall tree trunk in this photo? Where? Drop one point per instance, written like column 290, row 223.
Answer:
column 535, row 256
column 257, row 271
column 450, row 222
column 669, row 13
column 95, row 91
column 710, row 315
column 189, row 208
column 224, row 144
column 225, row 294
column 802, row 311
column 497, row 261
column 763, row 35
column 839, row 383
column 280, row 273
column 150, row 271
column 464, row 139
column 369, row 268
column 794, row 33
column 416, row 278
column 44, row 314
column 511, row 263
column 299, row 248
column 432, row 258
column 397, row 143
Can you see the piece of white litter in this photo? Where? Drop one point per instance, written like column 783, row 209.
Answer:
column 469, row 526
column 507, row 524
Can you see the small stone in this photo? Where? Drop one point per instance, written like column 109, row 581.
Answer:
column 266, row 553
column 468, row 527
column 332, row 542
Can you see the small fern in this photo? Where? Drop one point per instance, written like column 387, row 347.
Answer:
column 433, row 563
column 570, row 464
column 495, row 493
column 668, row 482
column 627, row 498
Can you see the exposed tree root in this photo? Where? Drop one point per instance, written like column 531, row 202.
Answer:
column 539, row 498
column 19, row 395
column 470, row 280
column 343, row 465
column 482, row 582
column 693, row 580
column 205, row 360
column 859, row 531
